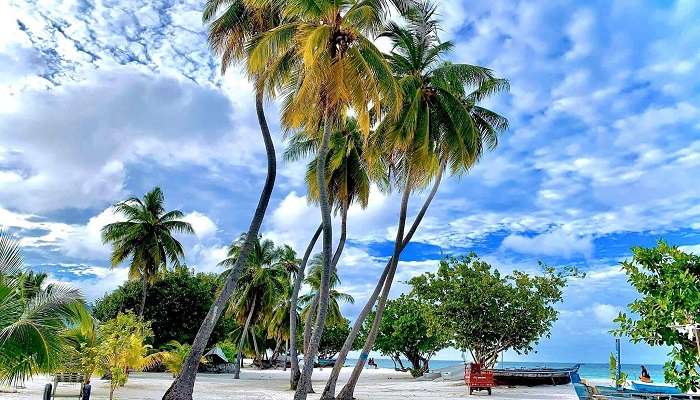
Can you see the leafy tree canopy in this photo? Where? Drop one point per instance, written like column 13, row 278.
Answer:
column 409, row 329
column 486, row 312
column 668, row 281
column 176, row 305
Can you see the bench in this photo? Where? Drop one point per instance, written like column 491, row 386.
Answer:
column 74, row 378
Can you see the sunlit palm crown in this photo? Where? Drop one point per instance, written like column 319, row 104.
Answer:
column 440, row 121
column 347, row 175
column 331, row 65
column 313, row 279
column 262, row 282
column 146, row 236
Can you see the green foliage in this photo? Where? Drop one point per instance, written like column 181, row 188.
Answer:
column 32, row 317
column 176, row 305
column 335, row 297
column 174, row 358
column 622, row 381
column 409, row 328
column 486, row 312
column 122, row 347
column 80, row 353
column 229, row 348
column 668, row 280
column 333, row 337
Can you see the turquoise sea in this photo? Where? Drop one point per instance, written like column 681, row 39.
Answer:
column 587, row 371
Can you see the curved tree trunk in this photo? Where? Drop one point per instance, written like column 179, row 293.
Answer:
column 255, row 348
column 324, row 291
column 308, row 324
column 349, row 388
column 183, row 386
column 239, row 356
column 144, row 290
column 329, row 390
column 286, row 354
column 294, row 373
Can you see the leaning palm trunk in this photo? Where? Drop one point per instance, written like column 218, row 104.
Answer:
column 239, row 356
column 183, row 386
column 294, row 374
column 144, row 290
column 313, row 309
column 329, row 390
column 324, row 290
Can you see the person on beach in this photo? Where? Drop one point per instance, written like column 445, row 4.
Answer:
column 372, row 363
column 645, row 377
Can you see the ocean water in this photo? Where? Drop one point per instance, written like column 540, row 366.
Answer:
column 586, row 371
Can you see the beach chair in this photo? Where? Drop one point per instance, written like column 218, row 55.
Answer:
column 75, row 378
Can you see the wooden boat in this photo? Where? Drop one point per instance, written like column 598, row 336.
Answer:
column 535, row 376
column 654, row 388
column 588, row 392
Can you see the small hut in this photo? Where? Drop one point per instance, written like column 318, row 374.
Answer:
column 217, row 362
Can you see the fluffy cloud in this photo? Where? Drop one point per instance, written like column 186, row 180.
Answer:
column 556, row 242
column 203, row 226
column 70, row 146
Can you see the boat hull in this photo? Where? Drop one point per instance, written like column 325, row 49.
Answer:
column 535, row 376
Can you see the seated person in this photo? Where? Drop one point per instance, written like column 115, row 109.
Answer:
column 645, row 377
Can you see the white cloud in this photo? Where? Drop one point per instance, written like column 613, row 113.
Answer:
column 605, row 313
column 554, row 243
column 70, row 146
column 203, row 226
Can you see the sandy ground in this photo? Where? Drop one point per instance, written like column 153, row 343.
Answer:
column 273, row 385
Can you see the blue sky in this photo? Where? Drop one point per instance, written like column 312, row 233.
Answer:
column 103, row 99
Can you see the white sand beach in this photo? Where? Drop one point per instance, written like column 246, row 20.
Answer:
column 273, row 385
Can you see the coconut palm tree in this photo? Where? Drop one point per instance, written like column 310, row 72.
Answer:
column 339, row 68
column 232, row 25
column 441, row 126
column 309, row 301
column 31, row 322
column 262, row 282
column 146, row 238
column 347, row 182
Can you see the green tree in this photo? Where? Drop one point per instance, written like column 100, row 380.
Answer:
column 146, row 238
column 668, row 281
column 262, row 282
column 122, row 347
column 409, row 328
column 82, row 341
column 176, row 304
column 439, row 126
column 485, row 312
column 232, row 25
column 32, row 317
column 333, row 338
column 174, row 358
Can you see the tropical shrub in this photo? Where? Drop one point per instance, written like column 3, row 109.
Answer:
column 174, row 358
column 668, row 281
column 122, row 346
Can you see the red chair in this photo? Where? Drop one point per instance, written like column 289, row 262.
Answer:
column 478, row 379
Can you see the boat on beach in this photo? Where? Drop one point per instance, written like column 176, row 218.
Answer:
column 535, row 376
column 645, row 387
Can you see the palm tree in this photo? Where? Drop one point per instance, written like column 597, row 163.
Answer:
column 338, row 68
column 146, row 237
column 232, row 25
column 31, row 322
column 440, row 126
column 347, row 182
column 309, row 301
column 262, row 282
